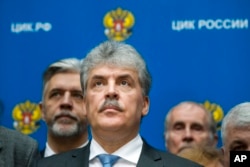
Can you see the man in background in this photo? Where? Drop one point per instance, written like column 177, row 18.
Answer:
column 235, row 130
column 62, row 107
column 189, row 124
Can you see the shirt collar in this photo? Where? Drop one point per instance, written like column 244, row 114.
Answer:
column 48, row 150
column 130, row 151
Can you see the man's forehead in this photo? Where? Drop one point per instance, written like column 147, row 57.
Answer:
column 188, row 106
column 61, row 80
column 189, row 112
column 188, row 117
column 238, row 132
column 106, row 70
column 111, row 66
column 188, row 122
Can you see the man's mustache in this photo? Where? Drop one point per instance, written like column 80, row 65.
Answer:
column 110, row 103
column 65, row 113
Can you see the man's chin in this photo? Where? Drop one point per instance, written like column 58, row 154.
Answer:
column 64, row 132
column 62, row 129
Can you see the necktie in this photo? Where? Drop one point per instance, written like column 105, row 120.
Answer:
column 108, row 160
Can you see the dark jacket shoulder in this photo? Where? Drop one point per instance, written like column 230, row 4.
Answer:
column 17, row 149
column 151, row 156
column 76, row 157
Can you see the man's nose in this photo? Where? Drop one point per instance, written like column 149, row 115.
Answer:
column 188, row 137
column 67, row 102
column 111, row 91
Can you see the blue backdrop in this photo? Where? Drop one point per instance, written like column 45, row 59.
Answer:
column 196, row 50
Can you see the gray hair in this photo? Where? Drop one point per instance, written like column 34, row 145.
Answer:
column 118, row 54
column 211, row 121
column 237, row 117
column 61, row 66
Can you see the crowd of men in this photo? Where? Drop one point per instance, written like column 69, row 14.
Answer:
column 108, row 92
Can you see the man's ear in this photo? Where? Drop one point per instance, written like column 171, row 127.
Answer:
column 216, row 138
column 222, row 150
column 146, row 104
column 42, row 109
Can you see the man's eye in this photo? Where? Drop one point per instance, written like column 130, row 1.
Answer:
column 197, row 128
column 78, row 96
column 178, row 127
column 55, row 94
column 124, row 83
column 98, row 83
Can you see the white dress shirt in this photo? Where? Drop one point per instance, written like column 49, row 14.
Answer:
column 48, row 151
column 129, row 153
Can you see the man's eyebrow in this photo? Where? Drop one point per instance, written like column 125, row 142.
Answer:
column 56, row 89
column 236, row 142
column 76, row 90
column 124, row 76
column 97, row 77
column 196, row 123
column 178, row 123
column 119, row 76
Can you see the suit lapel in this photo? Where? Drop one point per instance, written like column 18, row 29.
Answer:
column 149, row 157
column 79, row 158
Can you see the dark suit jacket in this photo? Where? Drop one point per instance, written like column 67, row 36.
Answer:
column 150, row 157
column 17, row 149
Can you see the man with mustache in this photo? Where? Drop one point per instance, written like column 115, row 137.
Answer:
column 187, row 125
column 62, row 107
column 116, row 85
